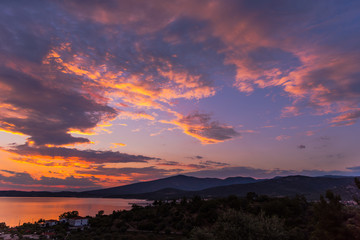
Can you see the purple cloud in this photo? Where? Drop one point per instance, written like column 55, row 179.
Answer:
column 91, row 156
column 24, row 179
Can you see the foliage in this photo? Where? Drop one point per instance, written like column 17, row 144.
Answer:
column 251, row 217
column 329, row 218
column 3, row 226
column 71, row 214
column 237, row 225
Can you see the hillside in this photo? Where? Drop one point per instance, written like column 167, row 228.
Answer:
column 180, row 182
column 179, row 186
column 310, row 187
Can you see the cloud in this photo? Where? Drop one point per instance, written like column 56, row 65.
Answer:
column 356, row 168
column 214, row 164
column 347, row 118
column 301, row 146
column 196, row 157
column 130, row 174
column 270, row 173
column 25, row 179
column 115, row 145
column 90, row 60
column 282, row 137
column 200, row 126
column 183, row 166
column 90, row 156
column 28, row 108
column 59, row 61
column 309, row 133
column 336, row 156
column 69, row 67
column 136, row 115
column 191, row 166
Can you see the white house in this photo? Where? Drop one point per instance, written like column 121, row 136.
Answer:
column 78, row 222
column 63, row 220
column 50, row 223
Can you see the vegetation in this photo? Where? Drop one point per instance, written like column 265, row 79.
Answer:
column 71, row 214
column 233, row 218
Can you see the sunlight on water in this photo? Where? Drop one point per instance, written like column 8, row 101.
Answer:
column 15, row 210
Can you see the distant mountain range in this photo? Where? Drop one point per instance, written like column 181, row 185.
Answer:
column 179, row 182
column 180, row 186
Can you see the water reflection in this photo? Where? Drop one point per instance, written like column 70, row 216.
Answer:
column 17, row 210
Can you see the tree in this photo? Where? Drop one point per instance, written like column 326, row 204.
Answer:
column 329, row 218
column 71, row 214
column 233, row 225
column 357, row 183
column 3, row 226
column 100, row 213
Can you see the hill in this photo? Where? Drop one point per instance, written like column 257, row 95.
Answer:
column 179, row 182
column 310, row 187
column 184, row 186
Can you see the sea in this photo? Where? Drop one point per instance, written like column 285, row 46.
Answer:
column 15, row 211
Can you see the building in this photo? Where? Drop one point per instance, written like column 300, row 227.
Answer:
column 78, row 222
column 50, row 223
column 63, row 220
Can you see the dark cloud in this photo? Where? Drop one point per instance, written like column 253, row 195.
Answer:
column 214, row 164
column 24, row 34
column 184, row 166
column 347, row 118
column 17, row 178
column 63, row 64
column 156, row 43
column 47, row 113
column 266, row 173
column 196, row 157
column 61, row 49
column 336, row 156
column 69, row 181
column 135, row 174
column 169, row 163
column 263, row 60
column 202, row 127
column 356, row 168
column 25, row 179
column 194, row 166
column 92, row 156
column 301, row 146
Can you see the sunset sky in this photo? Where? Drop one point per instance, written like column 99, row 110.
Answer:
column 105, row 93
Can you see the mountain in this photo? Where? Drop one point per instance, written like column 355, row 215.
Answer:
column 180, row 182
column 179, row 186
column 310, row 187
column 163, row 194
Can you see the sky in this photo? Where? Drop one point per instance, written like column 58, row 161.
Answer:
column 98, row 94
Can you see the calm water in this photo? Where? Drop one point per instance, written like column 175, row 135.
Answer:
column 15, row 210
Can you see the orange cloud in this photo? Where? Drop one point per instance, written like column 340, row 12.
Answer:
column 201, row 127
column 135, row 115
column 115, row 145
column 347, row 118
